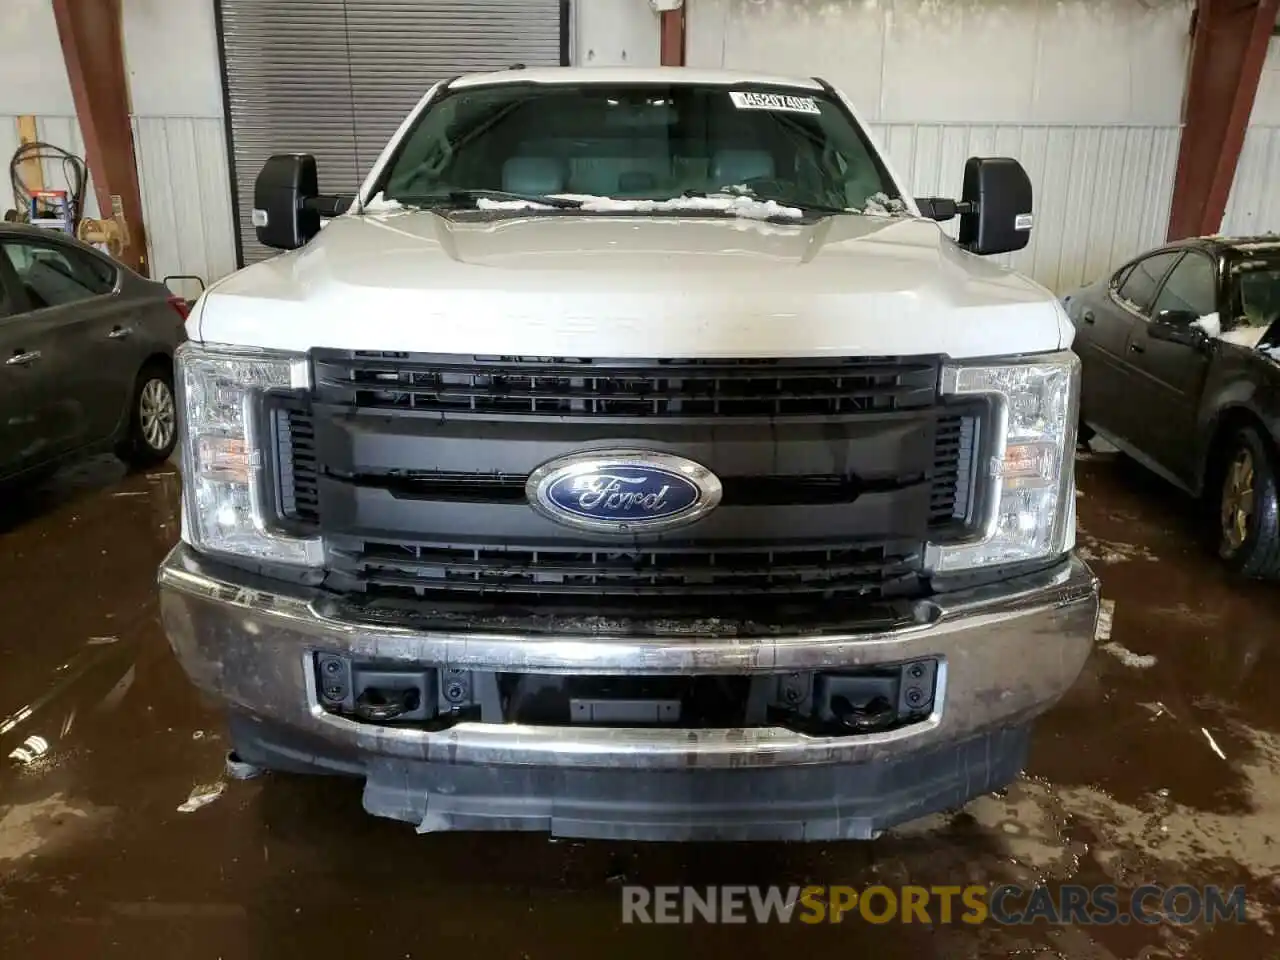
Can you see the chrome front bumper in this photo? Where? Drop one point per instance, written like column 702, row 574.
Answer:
column 1008, row 651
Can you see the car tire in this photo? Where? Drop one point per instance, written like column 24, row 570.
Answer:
column 153, row 418
column 1248, row 506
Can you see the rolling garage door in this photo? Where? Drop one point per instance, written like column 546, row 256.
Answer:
column 336, row 77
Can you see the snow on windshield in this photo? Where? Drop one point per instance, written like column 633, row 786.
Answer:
column 737, row 204
column 737, row 201
column 380, row 204
column 881, row 205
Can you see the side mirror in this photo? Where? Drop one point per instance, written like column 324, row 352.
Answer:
column 1178, row 326
column 995, row 212
column 282, row 213
column 1177, row 318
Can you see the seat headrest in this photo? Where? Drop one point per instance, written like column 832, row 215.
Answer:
column 533, row 175
column 733, row 166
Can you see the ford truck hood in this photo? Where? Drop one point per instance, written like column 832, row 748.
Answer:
column 609, row 285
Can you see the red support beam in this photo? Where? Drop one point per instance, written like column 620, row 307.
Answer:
column 671, row 42
column 93, row 51
column 1228, row 45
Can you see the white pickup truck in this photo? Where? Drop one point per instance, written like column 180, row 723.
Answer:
column 633, row 457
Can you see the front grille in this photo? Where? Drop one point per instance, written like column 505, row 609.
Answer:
column 395, row 568
column 580, row 387
column 455, row 524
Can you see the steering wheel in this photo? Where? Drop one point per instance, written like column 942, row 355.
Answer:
column 767, row 186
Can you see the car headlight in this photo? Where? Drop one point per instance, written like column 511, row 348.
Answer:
column 1026, row 499
column 225, row 509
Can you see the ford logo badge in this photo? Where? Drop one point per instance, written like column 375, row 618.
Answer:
column 623, row 491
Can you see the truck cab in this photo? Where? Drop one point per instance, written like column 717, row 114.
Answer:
column 633, row 456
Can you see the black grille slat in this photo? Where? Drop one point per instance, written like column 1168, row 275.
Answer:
column 296, row 464
column 738, row 491
column 952, row 455
column 611, row 388
column 857, row 571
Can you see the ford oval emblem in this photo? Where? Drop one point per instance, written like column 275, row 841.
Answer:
column 623, row 491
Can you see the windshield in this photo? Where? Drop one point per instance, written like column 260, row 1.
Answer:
column 1257, row 294
column 648, row 142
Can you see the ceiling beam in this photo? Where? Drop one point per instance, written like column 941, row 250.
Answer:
column 93, row 51
column 1228, row 46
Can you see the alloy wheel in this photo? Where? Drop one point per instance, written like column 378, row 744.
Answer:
column 157, row 414
column 1237, row 500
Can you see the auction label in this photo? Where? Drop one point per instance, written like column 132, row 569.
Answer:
column 773, row 101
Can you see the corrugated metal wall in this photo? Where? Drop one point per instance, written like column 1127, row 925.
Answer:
column 1254, row 206
column 336, row 79
column 1102, row 193
column 182, row 174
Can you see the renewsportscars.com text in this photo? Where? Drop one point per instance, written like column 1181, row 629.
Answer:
column 1006, row 904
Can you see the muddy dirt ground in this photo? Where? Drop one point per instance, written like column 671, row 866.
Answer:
column 120, row 838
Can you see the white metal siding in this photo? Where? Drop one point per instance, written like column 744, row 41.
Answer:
column 1254, row 205
column 1102, row 193
column 186, row 199
column 182, row 176
column 336, row 77
column 1086, row 94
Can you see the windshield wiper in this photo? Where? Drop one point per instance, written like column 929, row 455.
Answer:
column 763, row 198
column 461, row 197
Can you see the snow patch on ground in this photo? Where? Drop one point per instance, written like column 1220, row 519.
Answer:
column 1102, row 636
column 26, row 828
column 1111, row 551
column 201, row 795
column 1137, row 661
column 1106, row 615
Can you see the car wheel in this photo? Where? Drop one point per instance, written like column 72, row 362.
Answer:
column 153, row 418
column 1248, row 507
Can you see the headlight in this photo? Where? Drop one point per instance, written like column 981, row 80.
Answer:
column 224, row 506
column 1026, row 504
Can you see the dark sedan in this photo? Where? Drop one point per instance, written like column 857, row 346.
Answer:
column 1180, row 350
column 86, row 355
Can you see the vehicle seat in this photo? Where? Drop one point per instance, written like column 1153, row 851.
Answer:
column 533, row 175
column 732, row 166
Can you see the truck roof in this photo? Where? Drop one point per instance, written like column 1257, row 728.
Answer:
column 578, row 76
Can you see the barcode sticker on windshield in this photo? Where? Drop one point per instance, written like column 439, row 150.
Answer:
column 773, row 101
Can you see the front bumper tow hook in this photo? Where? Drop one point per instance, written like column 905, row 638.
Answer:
column 877, row 713
column 381, row 705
